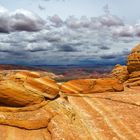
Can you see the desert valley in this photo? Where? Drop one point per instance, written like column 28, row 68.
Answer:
column 35, row 106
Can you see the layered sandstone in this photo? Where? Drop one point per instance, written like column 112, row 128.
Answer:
column 105, row 116
column 133, row 63
column 15, row 94
column 23, row 90
column 86, row 86
column 26, row 74
column 43, row 86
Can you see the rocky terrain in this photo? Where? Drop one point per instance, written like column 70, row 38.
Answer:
column 33, row 106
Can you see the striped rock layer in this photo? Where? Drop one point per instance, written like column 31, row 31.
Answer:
column 133, row 61
column 16, row 90
column 111, row 116
column 86, row 86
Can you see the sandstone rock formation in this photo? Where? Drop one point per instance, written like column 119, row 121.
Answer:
column 43, row 86
column 22, row 91
column 86, row 86
column 14, row 94
column 120, row 72
column 105, row 116
column 26, row 74
column 133, row 63
column 133, row 67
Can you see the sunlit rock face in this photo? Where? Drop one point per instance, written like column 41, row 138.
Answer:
column 85, row 86
column 22, row 89
column 133, row 63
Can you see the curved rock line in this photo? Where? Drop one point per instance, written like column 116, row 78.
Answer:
column 124, row 132
column 87, row 114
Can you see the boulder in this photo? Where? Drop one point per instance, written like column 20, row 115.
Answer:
column 120, row 72
column 15, row 94
column 20, row 91
column 86, row 86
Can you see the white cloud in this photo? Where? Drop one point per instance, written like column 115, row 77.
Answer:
column 124, row 31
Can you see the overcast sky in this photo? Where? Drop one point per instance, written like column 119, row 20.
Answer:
column 50, row 32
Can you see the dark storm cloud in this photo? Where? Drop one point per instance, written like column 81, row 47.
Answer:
column 25, row 21
column 109, row 56
column 118, row 56
column 66, row 48
column 4, row 23
column 104, row 48
column 20, row 20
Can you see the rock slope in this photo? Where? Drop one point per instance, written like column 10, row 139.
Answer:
column 86, row 86
column 102, row 116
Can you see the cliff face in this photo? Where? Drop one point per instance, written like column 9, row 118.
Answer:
column 35, row 107
column 133, row 63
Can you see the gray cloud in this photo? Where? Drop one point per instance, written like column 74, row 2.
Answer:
column 110, row 20
column 42, row 8
column 67, row 48
column 109, row 56
column 124, row 31
column 58, row 41
column 104, row 48
column 20, row 20
column 56, row 20
column 94, row 22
